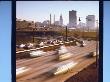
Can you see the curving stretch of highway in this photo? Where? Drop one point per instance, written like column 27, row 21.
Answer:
column 39, row 69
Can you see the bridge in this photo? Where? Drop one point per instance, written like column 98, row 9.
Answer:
column 53, row 32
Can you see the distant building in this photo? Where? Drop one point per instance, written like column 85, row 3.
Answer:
column 72, row 18
column 18, row 19
column 54, row 20
column 31, row 24
column 57, row 23
column 61, row 21
column 46, row 23
column 24, row 24
column 81, row 25
column 38, row 24
column 90, row 21
column 50, row 19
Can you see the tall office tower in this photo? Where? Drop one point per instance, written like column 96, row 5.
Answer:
column 72, row 18
column 90, row 21
column 50, row 19
column 54, row 19
column 61, row 20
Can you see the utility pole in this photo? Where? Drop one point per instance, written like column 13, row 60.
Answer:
column 66, row 33
column 80, row 25
column 83, row 32
column 33, row 27
column 33, row 35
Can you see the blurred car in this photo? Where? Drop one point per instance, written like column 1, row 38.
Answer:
column 62, row 49
column 63, row 68
column 22, row 46
column 63, row 53
column 82, row 44
column 21, row 71
column 92, row 54
column 37, row 53
column 64, row 56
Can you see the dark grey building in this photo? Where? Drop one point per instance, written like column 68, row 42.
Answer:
column 90, row 21
column 61, row 20
column 72, row 18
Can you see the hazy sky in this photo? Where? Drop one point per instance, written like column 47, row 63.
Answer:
column 40, row 10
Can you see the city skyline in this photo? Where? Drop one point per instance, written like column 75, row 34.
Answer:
column 41, row 13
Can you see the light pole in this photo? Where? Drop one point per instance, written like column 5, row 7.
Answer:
column 87, row 24
column 66, row 33
column 83, row 32
column 33, row 29
column 79, row 25
column 33, row 35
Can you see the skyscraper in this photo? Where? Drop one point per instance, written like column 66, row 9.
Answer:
column 61, row 20
column 50, row 19
column 90, row 21
column 54, row 19
column 72, row 18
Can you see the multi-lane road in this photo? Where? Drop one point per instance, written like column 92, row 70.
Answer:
column 39, row 68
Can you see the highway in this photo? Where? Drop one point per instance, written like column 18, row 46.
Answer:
column 39, row 67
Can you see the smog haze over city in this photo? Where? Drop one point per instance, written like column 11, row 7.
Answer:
column 40, row 11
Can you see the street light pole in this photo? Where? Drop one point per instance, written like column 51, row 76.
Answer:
column 66, row 33
column 80, row 26
column 33, row 35
column 83, row 33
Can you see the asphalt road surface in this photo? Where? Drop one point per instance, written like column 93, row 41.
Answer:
column 39, row 67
